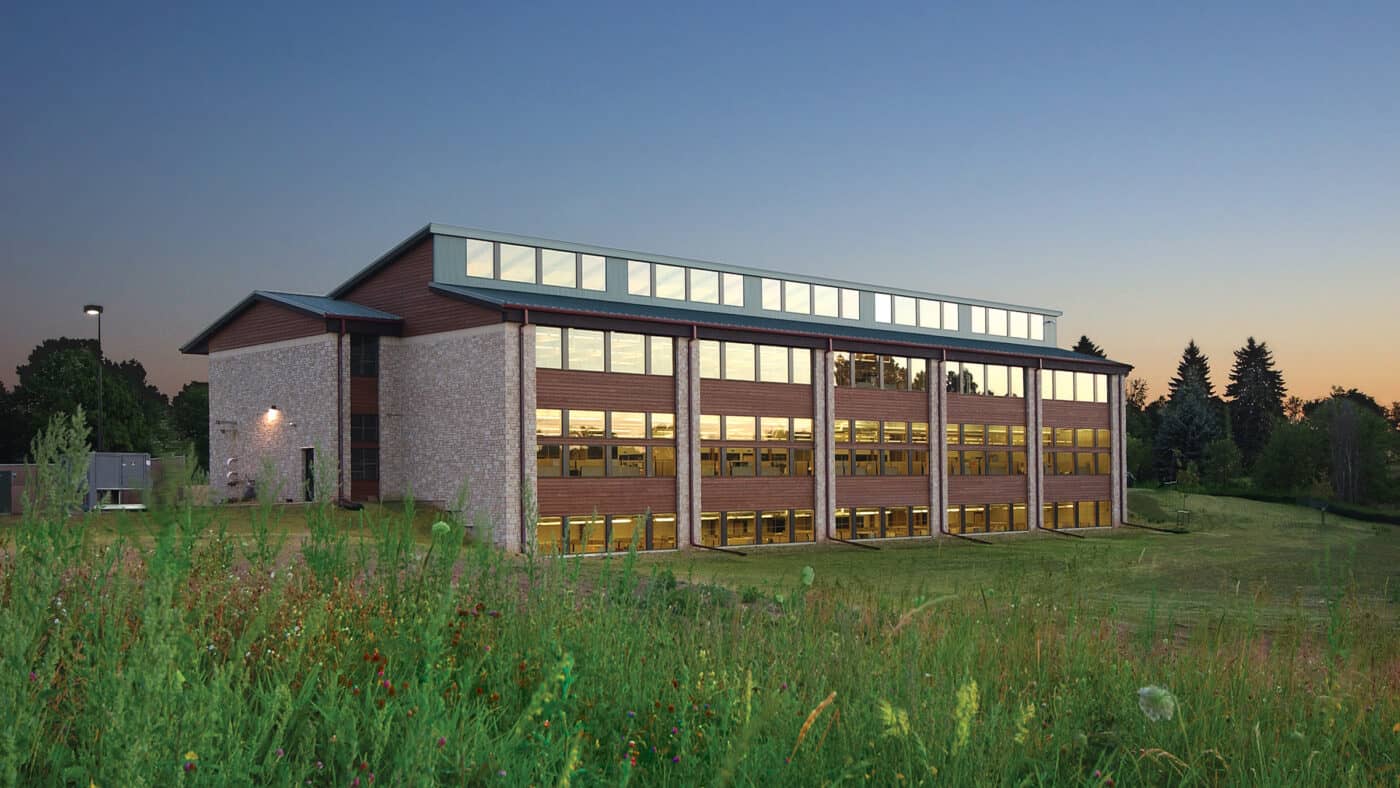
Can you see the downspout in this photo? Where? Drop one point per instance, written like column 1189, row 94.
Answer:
column 340, row 411
column 691, row 439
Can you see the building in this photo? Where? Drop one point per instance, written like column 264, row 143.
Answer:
column 606, row 396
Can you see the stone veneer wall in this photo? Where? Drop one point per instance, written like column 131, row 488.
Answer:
column 460, row 401
column 243, row 383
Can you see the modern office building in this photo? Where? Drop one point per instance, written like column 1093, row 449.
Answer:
column 583, row 397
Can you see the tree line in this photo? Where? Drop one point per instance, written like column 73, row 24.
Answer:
column 1343, row 447
column 61, row 374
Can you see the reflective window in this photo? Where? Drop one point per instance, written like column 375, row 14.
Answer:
column 974, row 463
column 867, row 431
column 920, row 522
column 704, row 286
column 1047, row 384
column 709, row 359
column 919, row 431
column 867, row 370
column 627, row 461
column 865, row 462
column 1101, row 388
column 918, row 462
column 733, row 285
column 594, row 272
column 998, row 381
column 738, row 361
column 586, row 461
column 738, row 461
column 709, row 461
column 1018, row 436
column 998, row 435
column 841, row 428
column 663, row 426
column 662, row 352
column 998, row 463
column 638, row 278
column 1037, row 327
column 797, row 297
column 1084, row 464
column 979, row 320
column 896, row 462
column 896, row 432
column 801, row 462
column 772, row 294
column 972, row 378
column 1018, row 382
column 773, row 428
column 549, row 422
column 558, row 268
column 517, row 263
column 1084, row 386
column 628, row 353
column 928, row 313
column 549, row 460
column 850, row 304
column 954, row 433
column 586, row 423
column 774, row 527
column 1064, row 385
column 1064, row 463
column 549, row 347
column 883, row 308
column 774, row 462
column 740, row 428
column 841, row 368
column 950, row 316
column 1019, row 325
column 918, row 374
column 895, row 372
column 710, row 427
column 954, row 463
column 802, row 430
column 996, row 322
column 801, row 365
column 905, row 311
column 670, row 281
column 481, row 259
column 586, row 350
column 628, row 424
column 841, row 459
column 826, row 301
column 1064, row 437
column 772, row 364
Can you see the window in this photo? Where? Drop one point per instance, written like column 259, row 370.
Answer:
column 866, row 462
column 996, row 322
column 801, row 462
column 663, row 532
column 883, row 308
column 738, row 461
column 586, row 461
column 1064, row 463
column 842, row 460
column 549, row 422
column 998, row 463
column 974, row 463
column 1083, row 387
column 998, row 435
column 894, row 372
column 364, row 428
column 628, row 424
column 774, row 428
column 1018, row 382
column 364, row 465
column 1019, row 325
column 740, row 428
column 867, row 370
column 826, row 301
column 517, row 263
column 866, row 523
column 896, row 432
column 740, row 528
column 979, row 320
column 802, row 526
column 481, row 259
column 549, row 460
column 802, row 366
column 364, row 356
column 850, row 304
column 549, row 347
column 897, row 522
column 955, row 522
column 638, row 278
column 1064, row 438
column 797, row 298
column 1018, row 517
column 928, row 313
column 867, row 431
column 973, row 378
column 999, row 517
column 920, row 521
column 953, row 433
column 704, row 286
column 738, row 361
column 950, row 317
column 896, row 462
column 1018, row 436
column 710, row 427
column 974, row 519
column 918, row 374
column 663, row 426
column 558, row 268
column 775, row 462
column 663, row 460
column 841, row 429
column 709, row 461
column 1064, row 385
column 772, row 364
column 710, row 529
column 904, row 311
column 1019, row 465
column 628, row 353
column 1101, row 439
column 775, row 527
column 919, row 431
column 586, row 423
column 772, row 295
column 998, row 381
column 841, row 368
column 594, row 270
column 709, row 359
column 974, row 434
column 549, row 535
column 1101, row 388
column 1084, row 463
column 1037, row 328
column 670, row 281
column 955, row 463
column 1084, row 438
column 662, row 351
column 918, row 462
column 733, row 287
column 627, row 461
column 586, row 350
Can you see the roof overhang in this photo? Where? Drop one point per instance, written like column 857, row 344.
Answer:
column 353, row 318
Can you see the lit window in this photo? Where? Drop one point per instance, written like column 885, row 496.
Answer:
column 1064, row 437
column 704, row 286
column 1084, row 438
column 997, row 435
column 558, row 268
column 826, row 301
column 896, row 462
column 996, row 322
column 867, row 431
column 801, row 365
column 628, row 424
column 802, row 430
column 517, row 263
column 628, row 353
column 974, row 463
column 1018, row 436
column 662, row 352
column 772, row 364
column 918, row 431
column 773, row 295
column 549, row 422
column 797, row 298
column 774, row 428
column 586, row 350
column 883, row 308
column 997, row 462
column 733, row 285
column 709, row 359
column 738, row 361
column 974, row 434
column 739, row 527
column 663, row 426
column 865, row 462
column 710, row 427
column 928, row 313
column 1101, row 437
column 638, row 278
column 586, row 461
column 896, row 432
column 979, row 320
column 841, row 429
column 586, row 423
column 950, row 316
column 773, row 462
column 627, row 461
column 904, row 311
column 663, row 461
column 481, row 259
column 670, row 282
column 999, row 517
column 594, row 269
column 549, row 347
column 739, row 461
column 850, row 304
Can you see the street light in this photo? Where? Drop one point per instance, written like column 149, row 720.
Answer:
column 95, row 310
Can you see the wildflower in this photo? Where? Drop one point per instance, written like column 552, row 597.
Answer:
column 1022, row 723
column 281, row 752
column 675, row 759
column 1157, row 703
column 442, row 742
column 965, row 710
column 441, row 528
column 190, row 758
column 896, row 721
column 355, row 783
column 35, row 677
column 501, row 773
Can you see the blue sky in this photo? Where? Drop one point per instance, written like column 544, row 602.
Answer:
column 1158, row 174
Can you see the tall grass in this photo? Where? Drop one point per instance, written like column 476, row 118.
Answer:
column 183, row 657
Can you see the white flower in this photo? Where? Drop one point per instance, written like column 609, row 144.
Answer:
column 1157, row 703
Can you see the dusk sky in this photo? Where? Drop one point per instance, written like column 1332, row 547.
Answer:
column 1156, row 174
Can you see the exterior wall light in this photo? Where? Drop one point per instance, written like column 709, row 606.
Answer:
column 273, row 414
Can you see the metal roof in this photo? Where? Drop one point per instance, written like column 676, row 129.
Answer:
column 313, row 305
column 616, row 309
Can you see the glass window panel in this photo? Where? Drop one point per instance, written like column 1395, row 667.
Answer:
column 627, row 461
column 1084, row 386
column 841, row 428
column 709, row 528
column 867, row 370
column 841, row 368
column 897, row 522
column 801, row 462
column 1105, row 513
column 738, row 361
column 972, row 378
column 1105, row 464
column 710, row 429
column 704, row 286
column 733, row 285
column 594, row 271
column 517, row 263
column 826, row 301
column 549, row 347
column 950, row 316
column 1084, row 463
column 586, row 423
column 850, row 304
column 998, row 463
column 670, row 281
column 998, row 380
column 999, row 517
column 774, row 462
column 975, row 519
column 1018, row 436
column 974, row 434
column 929, row 312
column 865, row 462
column 772, row 364
column 954, row 463
column 1064, row 515
column 954, row 433
column 896, row 462
column 895, row 370
column 558, row 268
column 709, row 359
column 774, row 527
column 1047, row 384
column 1019, row 325
column 974, row 463
column 586, row 350
column 586, row 461
column 954, row 517
column 1084, row 438
column 663, row 532
column 740, row 528
column 549, row 460
column 662, row 353
column 1018, row 517
column 1101, row 439
column 738, row 461
column 802, row 430
column 918, row 432
column 628, row 424
column 918, row 374
column 1046, row 436
column 920, row 522
column 1018, row 381
column 797, row 298
column 803, row 526
column 1064, row 463
column 905, row 311
column 896, row 432
column 1088, row 511
column 867, row 431
column 867, row 523
column 628, row 353
column 549, row 422
column 1064, row 385
column 1064, row 437
column 773, row 428
column 481, row 259
column 996, row 322
column 549, row 534
column 663, row 460
column 740, row 428
column 1019, row 465
column 772, row 294
column 624, row 529
column 663, row 426
column 954, row 377
column 710, row 461
column 801, row 366
column 842, row 460
column 918, row 462
column 588, row 533
column 979, row 320
column 998, row 435
column 1037, row 327
column 884, row 308
column 1101, row 388
column 638, row 278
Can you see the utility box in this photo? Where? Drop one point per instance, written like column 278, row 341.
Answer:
column 6, row 480
column 117, row 472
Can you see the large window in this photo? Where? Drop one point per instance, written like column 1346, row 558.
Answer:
column 1004, row 453
column 770, row 526
column 364, row 356
column 595, row 443
column 990, row 380
column 880, row 448
column 584, row 350
column 597, row 532
column 876, row 371
column 873, row 522
column 763, row 363
column 1081, row 451
column 1077, row 514
column 1069, row 386
column 364, row 464
column 755, row 445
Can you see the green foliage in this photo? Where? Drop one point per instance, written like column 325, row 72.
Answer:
column 1140, row 463
column 1293, row 459
column 1189, row 424
column 1256, row 393
column 1087, row 347
column 1193, row 371
column 1222, row 463
column 1358, row 447
column 189, row 417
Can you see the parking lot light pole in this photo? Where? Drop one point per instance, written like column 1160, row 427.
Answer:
column 95, row 310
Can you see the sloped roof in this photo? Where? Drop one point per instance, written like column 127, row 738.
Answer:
column 739, row 320
column 313, row 305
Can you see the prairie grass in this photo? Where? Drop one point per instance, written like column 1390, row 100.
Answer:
column 190, row 655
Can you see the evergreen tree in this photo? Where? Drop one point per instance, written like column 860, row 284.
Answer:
column 1189, row 424
column 1256, row 393
column 1087, row 347
column 1194, row 368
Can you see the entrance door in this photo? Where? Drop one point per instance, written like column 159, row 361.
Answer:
column 308, row 474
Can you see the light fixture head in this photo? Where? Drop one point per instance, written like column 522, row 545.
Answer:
column 273, row 414
column 92, row 310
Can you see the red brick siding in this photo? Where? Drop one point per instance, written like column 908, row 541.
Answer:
column 561, row 497
column 742, row 398
column 854, row 403
column 882, row 491
column 401, row 287
column 986, row 489
column 1063, row 489
column 985, row 410
column 265, row 322
column 742, row 495
column 556, row 388
column 1076, row 414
